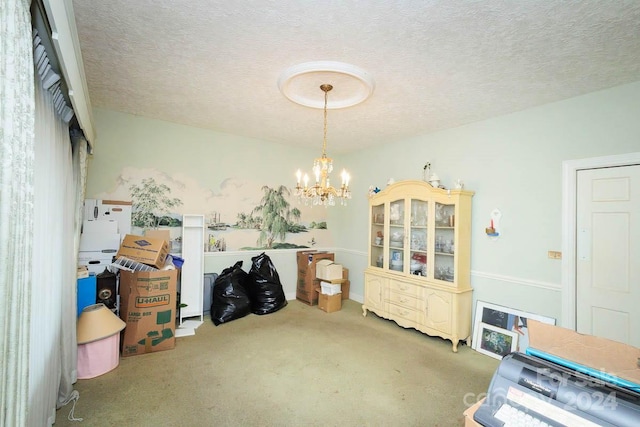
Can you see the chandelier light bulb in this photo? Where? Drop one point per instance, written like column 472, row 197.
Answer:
column 345, row 178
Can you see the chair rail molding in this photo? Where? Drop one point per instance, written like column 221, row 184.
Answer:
column 517, row 280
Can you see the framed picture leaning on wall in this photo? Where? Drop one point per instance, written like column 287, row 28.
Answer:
column 492, row 317
column 495, row 342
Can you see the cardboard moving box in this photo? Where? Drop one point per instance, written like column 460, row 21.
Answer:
column 148, row 307
column 307, row 261
column 604, row 356
column 345, row 285
column 330, row 288
column 345, row 289
column 159, row 234
column 147, row 250
column 328, row 270
column 329, row 303
column 468, row 415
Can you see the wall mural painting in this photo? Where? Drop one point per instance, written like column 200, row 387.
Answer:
column 241, row 215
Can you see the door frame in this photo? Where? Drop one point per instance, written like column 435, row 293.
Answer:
column 570, row 170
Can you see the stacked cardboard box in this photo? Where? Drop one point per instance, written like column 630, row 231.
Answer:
column 144, row 249
column 98, row 244
column 332, row 286
column 329, row 303
column 328, row 270
column 118, row 211
column 307, row 260
column 345, row 283
column 148, row 299
column 148, row 306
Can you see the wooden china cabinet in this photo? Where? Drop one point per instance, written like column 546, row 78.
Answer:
column 418, row 272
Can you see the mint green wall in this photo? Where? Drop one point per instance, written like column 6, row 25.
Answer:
column 513, row 163
column 207, row 157
column 125, row 140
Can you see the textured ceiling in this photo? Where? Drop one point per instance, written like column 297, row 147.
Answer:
column 436, row 64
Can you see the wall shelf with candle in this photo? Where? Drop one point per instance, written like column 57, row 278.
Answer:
column 493, row 230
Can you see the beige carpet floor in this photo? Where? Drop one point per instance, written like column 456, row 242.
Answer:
column 299, row 366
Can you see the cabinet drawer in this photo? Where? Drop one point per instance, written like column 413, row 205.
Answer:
column 403, row 299
column 405, row 288
column 396, row 311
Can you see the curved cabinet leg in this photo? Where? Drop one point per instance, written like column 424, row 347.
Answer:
column 455, row 345
column 364, row 311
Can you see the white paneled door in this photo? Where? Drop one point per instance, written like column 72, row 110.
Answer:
column 608, row 253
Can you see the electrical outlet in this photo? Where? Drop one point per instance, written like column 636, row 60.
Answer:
column 555, row 254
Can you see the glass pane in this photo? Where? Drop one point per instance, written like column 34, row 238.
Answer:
column 419, row 213
column 396, row 235
column 418, row 242
column 377, row 238
column 396, row 212
column 445, row 215
column 396, row 259
column 444, row 242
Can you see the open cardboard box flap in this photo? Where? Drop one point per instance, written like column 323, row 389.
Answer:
column 608, row 356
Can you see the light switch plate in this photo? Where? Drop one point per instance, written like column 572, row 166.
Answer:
column 555, row 254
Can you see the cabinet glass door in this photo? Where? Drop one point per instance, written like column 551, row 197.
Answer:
column 377, row 236
column 444, row 246
column 396, row 235
column 418, row 237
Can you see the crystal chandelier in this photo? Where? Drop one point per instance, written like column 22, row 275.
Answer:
column 322, row 193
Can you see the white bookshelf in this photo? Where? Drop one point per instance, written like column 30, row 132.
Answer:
column 192, row 275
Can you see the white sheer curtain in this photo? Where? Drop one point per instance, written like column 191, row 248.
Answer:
column 16, row 207
column 48, row 271
column 42, row 179
column 53, row 351
column 68, row 343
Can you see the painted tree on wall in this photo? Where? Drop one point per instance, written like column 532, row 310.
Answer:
column 248, row 221
column 276, row 215
column 150, row 202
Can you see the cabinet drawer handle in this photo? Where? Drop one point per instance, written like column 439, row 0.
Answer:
column 403, row 288
column 403, row 299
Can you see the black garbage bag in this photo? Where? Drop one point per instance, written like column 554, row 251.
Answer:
column 230, row 298
column 264, row 287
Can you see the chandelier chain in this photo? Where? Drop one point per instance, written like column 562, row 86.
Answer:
column 326, row 88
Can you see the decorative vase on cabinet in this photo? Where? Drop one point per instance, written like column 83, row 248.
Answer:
column 418, row 272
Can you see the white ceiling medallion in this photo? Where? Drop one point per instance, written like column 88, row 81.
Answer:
column 300, row 84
